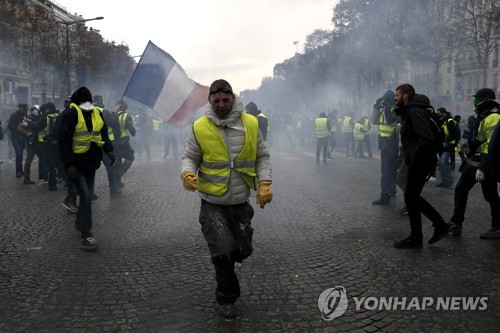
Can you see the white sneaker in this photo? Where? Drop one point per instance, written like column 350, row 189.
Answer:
column 432, row 179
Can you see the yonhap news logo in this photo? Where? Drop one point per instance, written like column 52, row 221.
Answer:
column 333, row 303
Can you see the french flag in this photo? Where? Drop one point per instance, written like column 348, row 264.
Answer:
column 160, row 83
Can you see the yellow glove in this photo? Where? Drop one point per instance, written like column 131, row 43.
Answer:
column 264, row 193
column 189, row 181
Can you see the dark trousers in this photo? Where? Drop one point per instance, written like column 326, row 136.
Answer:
column 51, row 156
column 33, row 149
column 489, row 188
column 368, row 144
column 228, row 233
column 321, row 144
column 388, row 167
column 170, row 139
column 415, row 203
column 19, row 145
column 85, row 188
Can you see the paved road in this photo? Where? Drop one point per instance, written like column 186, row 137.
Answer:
column 153, row 271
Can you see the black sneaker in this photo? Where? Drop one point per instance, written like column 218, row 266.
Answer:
column 456, row 229
column 28, row 181
column 94, row 196
column 381, row 201
column 89, row 244
column 439, row 233
column 493, row 233
column 70, row 207
column 408, row 243
column 228, row 310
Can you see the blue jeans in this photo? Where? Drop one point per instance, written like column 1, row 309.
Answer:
column 85, row 188
column 113, row 179
column 444, row 168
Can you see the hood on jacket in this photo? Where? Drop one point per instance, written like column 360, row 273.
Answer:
column 232, row 117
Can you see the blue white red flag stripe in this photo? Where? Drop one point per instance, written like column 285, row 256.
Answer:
column 160, row 83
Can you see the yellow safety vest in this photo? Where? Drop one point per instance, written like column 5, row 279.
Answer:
column 122, row 119
column 367, row 126
column 321, row 127
column 111, row 134
column 346, row 127
column 82, row 137
column 42, row 135
column 447, row 131
column 358, row 135
column 216, row 165
column 485, row 131
column 385, row 130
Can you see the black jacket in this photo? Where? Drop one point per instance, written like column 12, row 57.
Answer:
column 91, row 160
column 416, row 134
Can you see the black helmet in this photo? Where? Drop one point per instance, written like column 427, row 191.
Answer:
column 485, row 93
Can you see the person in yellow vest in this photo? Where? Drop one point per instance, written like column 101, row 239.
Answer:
column 123, row 151
column 322, row 126
column 82, row 139
column 347, row 128
column 448, row 126
column 388, row 142
column 224, row 159
column 359, row 137
column 477, row 167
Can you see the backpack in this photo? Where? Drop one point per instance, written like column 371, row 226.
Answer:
column 440, row 140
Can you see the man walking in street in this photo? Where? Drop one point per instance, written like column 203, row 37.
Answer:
column 224, row 156
column 420, row 157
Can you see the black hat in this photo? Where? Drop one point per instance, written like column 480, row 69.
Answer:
column 485, row 93
column 81, row 95
column 220, row 85
column 252, row 108
column 23, row 106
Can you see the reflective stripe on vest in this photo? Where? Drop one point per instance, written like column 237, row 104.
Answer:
column 82, row 137
column 485, row 131
column 321, row 127
column 385, row 130
column 215, row 169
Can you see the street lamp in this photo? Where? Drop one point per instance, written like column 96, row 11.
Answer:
column 67, row 24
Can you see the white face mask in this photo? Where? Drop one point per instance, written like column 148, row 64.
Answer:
column 87, row 106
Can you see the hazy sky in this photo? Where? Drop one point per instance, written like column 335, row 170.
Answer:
column 238, row 40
